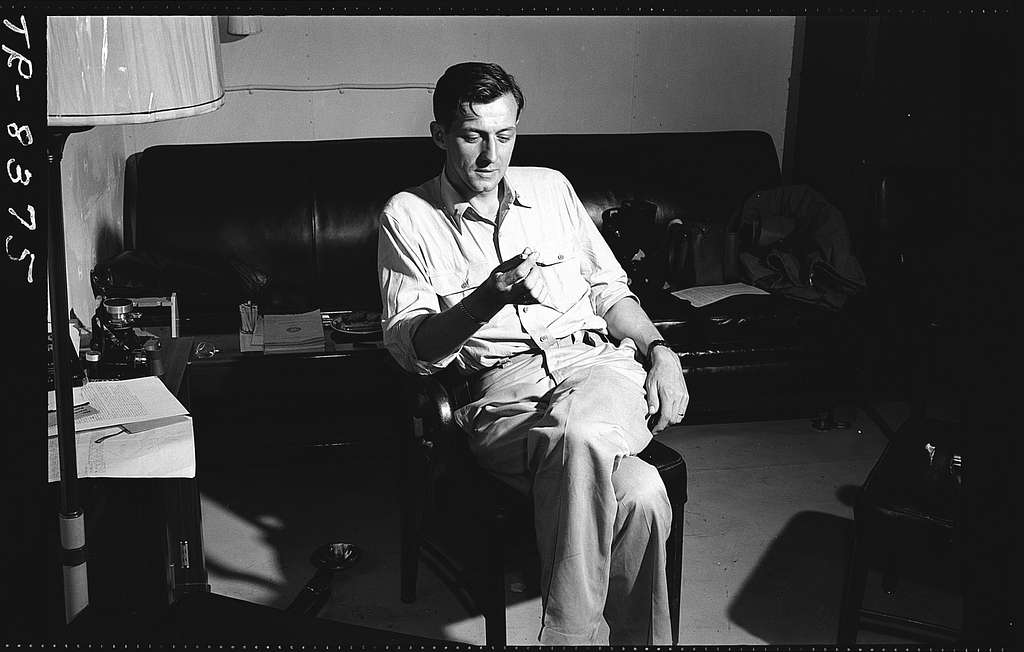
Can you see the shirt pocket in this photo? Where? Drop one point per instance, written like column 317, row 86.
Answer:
column 560, row 267
column 451, row 285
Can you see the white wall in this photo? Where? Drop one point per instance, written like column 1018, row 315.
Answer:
column 600, row 74
column 92, row 178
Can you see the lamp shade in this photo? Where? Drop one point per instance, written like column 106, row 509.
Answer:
column 104, row 70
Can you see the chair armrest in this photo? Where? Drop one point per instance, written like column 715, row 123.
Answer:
column 430, row 406
column 431, row 402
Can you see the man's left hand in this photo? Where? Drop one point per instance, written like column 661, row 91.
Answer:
column 667, row 396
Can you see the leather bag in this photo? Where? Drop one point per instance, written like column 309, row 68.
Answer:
column 700, row 253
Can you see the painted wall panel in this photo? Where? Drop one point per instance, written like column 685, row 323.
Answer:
column 244, row 116
column 279, row 54
column 370, row 114
column 381, row 49
column 603, row 74
column 574, row 70
column 714, row 73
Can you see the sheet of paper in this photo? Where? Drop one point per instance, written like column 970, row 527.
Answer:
column 119, row 402
column 81, row 411
column 160, row 448
column 77, row 394
column 301, row 328
column 705, row 294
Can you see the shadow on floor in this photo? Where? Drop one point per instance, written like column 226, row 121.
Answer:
column 281, row 511
column 793, row 594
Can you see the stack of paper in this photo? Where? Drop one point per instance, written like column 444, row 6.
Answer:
column 299, row 333
column 136, row 429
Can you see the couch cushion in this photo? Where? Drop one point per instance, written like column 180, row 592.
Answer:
column 353, row 181
column 706, row 175
column 306, row 213
column 250, row 202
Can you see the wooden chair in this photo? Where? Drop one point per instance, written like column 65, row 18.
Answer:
column 896, row 507
column 910, row 506
column 443, row 488
column 912, row 495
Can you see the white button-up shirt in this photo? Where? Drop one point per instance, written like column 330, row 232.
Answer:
column 434, row 249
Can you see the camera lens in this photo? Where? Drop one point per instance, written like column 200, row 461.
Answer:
column 154, row 356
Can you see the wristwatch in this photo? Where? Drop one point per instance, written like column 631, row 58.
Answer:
column 650, row 347
column 467, row 313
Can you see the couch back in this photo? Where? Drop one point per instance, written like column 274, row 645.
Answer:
column 306, row 213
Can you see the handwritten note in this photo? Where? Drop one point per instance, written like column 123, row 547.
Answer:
column 161, row 448
column 17, row 48
column 123, row 402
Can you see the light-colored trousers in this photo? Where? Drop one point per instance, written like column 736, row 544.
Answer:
column 567, row 424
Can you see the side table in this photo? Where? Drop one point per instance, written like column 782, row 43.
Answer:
column 144, row 536
column 253, row 407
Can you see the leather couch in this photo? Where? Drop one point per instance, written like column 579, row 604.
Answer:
column 297, row 223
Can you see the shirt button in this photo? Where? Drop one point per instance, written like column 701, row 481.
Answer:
column 525, row 308
column 543, row 338
column 561, row 257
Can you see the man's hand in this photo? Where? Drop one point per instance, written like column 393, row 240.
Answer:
column 667, row 396
column 518, row 280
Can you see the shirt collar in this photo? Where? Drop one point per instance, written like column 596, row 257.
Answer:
column 455, row 206
column 517, row 196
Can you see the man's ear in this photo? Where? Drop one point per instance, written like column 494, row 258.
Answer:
column 437, row 134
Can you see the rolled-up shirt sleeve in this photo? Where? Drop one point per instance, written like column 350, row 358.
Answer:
column 407, row 297
column 608, row 281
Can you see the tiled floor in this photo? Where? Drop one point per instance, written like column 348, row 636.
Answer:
column 766, row 532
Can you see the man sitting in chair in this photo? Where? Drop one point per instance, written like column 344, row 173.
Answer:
column 500, row 271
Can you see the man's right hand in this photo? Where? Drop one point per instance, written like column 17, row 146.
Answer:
column 518, row 280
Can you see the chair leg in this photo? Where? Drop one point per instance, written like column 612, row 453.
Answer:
column 412, row 476
column 494, row 585
column 853, row 590
column 890, row 578
column 674, row 567
column 409, row 563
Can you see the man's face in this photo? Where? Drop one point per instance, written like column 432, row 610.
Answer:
column 478, row 145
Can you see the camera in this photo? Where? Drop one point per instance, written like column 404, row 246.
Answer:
column 121, row 350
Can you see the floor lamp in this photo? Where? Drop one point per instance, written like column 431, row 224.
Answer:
column 109, row 70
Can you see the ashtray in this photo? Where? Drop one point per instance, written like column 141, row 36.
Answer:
column 335, row 556
column 355, row 322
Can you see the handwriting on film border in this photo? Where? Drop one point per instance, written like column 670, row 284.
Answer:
column 24, row 218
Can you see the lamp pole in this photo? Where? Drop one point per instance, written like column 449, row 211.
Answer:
column 108, row 70
column 72, row 518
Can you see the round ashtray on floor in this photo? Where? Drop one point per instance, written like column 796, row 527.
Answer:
column 335, row 556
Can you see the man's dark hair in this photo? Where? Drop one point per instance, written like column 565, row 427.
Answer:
column 473, row 83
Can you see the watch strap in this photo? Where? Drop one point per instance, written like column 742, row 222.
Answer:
column 655, row 343
column 462, row 307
